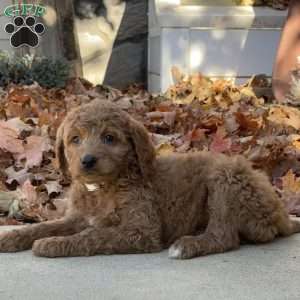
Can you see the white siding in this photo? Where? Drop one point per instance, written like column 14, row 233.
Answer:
column 174, row 52
column 154, row 83
column 233, row 52
column 154, row 55
column 230, row 54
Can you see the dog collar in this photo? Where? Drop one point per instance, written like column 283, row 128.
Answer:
column 92, row 187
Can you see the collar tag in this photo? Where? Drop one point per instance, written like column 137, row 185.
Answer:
column 92, row 187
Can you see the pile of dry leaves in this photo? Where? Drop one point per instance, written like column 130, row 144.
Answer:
column 276, row 4
column 195, row 114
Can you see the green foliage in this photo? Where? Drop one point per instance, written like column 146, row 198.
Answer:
column 49, row 73
column 27, row 69
column 14, row 70
column 4, row 69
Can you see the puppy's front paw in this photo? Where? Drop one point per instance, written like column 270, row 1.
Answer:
column 183, row 248
column 50, row 247
column 175, row 251
column 13, row 241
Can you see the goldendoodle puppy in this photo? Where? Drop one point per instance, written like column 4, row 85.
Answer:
column 124, row 199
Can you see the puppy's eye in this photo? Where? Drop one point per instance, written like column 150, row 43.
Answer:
column 75, row 139
column 108, row 139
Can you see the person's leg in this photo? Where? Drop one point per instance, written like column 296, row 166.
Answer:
column 288, row 51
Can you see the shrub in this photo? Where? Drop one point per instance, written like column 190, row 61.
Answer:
column 49, row 73
column 14, row 70
column 27, row 69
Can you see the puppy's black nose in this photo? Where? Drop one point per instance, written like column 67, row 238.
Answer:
column 88, row 161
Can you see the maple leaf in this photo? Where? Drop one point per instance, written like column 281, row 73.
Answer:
column 19, row 94
column 294, row 140
column 31, row 205
column 29, row 192
column 6, row 160
column 9, row 139
column 177, row 75
column 55, row 209
column 290, row 192
column 231, row 124
column 285, row 115
column 160, row 139
column 219, row 143
column 45, row 118
column 197, row 79
column 20, row 176
column 18, row 125
column 248, row 91
column 290, row 182
column 220, row 85
column 34, row 149
column 53, row 188
column 168, row 117
column 247, row 122
column 163, row 143
column 9, row 203
column 212, row 122
column 17, row 110
column 197, row 134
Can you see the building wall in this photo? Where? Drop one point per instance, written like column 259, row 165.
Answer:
column 231, row 42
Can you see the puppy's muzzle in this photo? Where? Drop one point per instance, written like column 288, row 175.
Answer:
column 88, row 161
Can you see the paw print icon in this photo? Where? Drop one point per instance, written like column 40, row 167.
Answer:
column 24, row 31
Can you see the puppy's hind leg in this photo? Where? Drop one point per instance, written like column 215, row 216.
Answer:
column 221, row 233
column 262, row 215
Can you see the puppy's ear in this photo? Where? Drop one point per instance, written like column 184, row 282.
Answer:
column 60, row 150
column 143, row 148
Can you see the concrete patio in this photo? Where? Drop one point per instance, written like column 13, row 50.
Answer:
column 270, row 271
